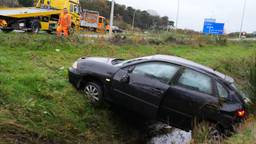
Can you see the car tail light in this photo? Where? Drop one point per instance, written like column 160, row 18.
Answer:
column 241, row 113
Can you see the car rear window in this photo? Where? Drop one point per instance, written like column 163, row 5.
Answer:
column 222, row 92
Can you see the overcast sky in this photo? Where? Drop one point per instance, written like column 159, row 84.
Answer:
column 193, row 12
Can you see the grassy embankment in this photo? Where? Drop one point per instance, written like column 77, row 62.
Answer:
column 37, row 104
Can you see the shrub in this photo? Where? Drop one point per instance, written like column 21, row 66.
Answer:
column 196, row 40
column 222, row 40
column 170, row 39
column 120, row 39
column 155, row 41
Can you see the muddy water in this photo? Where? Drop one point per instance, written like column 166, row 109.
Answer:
column 174, row 136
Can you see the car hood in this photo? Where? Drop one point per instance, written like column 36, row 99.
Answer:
column 98, row 59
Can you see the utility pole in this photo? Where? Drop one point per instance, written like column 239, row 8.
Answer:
column 111, row 18
column 133, row 20
column 242, row 20
column 178, row 14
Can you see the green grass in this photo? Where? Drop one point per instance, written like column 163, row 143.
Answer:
column 246, row 134
column 37, row 103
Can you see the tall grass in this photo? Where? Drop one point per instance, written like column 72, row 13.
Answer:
column 252, row 79
column 203, row 134
column 244, row 71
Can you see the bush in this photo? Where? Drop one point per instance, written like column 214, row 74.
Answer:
column 120, row 39
column 170, row 39
column 196, row 40
column 222, row 40
column 155, row 41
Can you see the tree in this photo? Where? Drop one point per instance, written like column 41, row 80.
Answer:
column 9, row 3
column 143, row 19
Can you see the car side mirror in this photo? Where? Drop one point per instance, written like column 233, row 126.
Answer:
column 125, row 78
column 130, row 70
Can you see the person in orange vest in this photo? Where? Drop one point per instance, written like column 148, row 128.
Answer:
column 64, row 23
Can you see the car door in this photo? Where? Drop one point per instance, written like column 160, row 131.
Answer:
column 228, row 106
column 185, row 98
column 141, row 88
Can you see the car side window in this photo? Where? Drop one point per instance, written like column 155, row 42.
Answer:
column 159, row 70
column 193, row 80
column 222, row 92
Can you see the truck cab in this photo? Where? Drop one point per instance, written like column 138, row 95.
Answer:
column 92, row 21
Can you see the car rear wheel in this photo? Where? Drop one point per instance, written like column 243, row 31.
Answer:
column 94, row 93
column 214, row 134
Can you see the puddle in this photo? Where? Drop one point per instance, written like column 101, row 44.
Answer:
column 174, row 136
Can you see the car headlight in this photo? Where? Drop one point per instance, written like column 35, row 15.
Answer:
column 75, row 65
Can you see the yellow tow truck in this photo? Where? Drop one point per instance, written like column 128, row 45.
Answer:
column 44, row 16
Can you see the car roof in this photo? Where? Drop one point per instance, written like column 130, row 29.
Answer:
column 188, row 63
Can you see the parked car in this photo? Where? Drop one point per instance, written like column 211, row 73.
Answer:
column 160, row 87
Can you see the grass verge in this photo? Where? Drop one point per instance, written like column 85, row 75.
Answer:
column 38, row 105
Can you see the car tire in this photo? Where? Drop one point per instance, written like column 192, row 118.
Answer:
column 214, row 134
column 93, row 91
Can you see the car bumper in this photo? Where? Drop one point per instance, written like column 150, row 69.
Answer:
column 75, row 77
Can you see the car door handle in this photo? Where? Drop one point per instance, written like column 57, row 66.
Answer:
column 157, row 90
column 212, row 107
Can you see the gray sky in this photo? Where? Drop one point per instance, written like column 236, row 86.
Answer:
column 193, row 12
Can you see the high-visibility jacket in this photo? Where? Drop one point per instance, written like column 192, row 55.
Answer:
column 65, row 20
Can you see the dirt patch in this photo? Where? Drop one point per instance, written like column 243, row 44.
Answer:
column 10, row 132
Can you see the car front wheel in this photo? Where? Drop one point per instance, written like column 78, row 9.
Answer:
column 94, row 93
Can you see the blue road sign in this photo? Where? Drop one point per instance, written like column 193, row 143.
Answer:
column 211, row 27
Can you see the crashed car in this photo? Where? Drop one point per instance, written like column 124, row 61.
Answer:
column 161, row 87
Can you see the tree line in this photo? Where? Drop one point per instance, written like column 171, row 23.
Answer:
column 142, row 19
column 124, row 16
